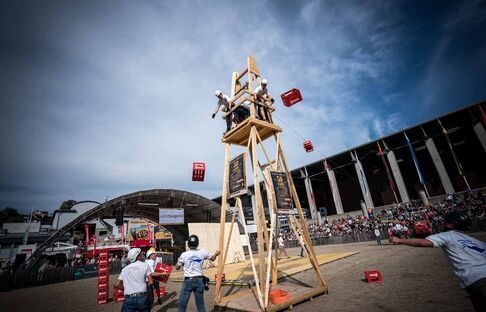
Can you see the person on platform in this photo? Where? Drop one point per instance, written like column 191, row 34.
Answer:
column 151, row 255
column 133, row 281
column 223, row 101
column 466, row 255
column 281, row 246
column 260, row 96
column 192, row 262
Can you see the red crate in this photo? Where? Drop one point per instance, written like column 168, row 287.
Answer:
column 163, row 268
column 291, row 97
column 198, row 171
column 278, row 296
column 373, row 276
column 102, row 299
column 118, row 295
column 308, row 146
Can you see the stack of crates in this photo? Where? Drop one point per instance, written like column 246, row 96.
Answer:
column 118, row 295
column 103, row 278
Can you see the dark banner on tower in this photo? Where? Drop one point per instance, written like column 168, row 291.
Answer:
column 237, row 176
column 281, row 188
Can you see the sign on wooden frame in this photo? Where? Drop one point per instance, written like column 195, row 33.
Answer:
column 237, row 176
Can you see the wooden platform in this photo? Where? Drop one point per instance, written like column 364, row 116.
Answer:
column 286, row 267
column 240, row 134
column 246, row 300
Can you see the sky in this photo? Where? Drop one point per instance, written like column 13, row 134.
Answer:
column 103, row 98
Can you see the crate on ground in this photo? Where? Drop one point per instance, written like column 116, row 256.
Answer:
column 278, row 296
column 373, row 276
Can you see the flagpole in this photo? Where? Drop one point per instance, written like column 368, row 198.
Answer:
column 26, row 236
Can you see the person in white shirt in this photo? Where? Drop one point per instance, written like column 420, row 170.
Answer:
column 192, row 262
column 260, row 95
column 281, row 246
column 151, row 255
column 133, row 281
column 302, row 244
column 378, row 236
column 465, row 254
column 223, row 100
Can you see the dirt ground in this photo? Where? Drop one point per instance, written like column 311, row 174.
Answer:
column 414, row 279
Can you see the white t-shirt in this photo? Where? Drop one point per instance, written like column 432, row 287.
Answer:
column 466, row 255
column 193, row 260
column 259, row 91
column 224, row 101
column 151, row 264
column 134, row 276
column 281, row 241
column 377, row 232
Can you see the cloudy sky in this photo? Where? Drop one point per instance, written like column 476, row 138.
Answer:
column 103, row 98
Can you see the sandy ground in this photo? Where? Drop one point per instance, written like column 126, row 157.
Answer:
column 414, row 279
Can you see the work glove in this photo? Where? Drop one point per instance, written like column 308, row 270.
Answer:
column 213, row 116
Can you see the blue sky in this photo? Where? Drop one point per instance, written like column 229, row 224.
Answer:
column 103, row 98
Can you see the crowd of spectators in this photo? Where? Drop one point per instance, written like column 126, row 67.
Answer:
column 400, row 218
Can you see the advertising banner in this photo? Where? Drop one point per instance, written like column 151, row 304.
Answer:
column 170, row 216
column 237, row 176
column 281, row 190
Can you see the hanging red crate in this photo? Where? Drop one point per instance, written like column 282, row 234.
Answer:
column 308, row 146
column 198, row 170
column 291, row 97
column 163, row 268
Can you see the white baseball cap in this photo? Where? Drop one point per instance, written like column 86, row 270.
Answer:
column 133, row 254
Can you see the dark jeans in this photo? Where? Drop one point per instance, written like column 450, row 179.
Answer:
column 189, row 286
column 378, row 240
column 477, row 291
column 301, row 251
column 241, row 113
column 136, row 304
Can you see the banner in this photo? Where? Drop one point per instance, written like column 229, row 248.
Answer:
column 86, row 235
column 237, row 176
column 168, row 216
column 281, row 189
column 415, row 161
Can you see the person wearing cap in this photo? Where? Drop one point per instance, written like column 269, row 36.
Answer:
column 223, row 101
column 466, row 255
column 133, row 282
column 261, row 95
column 239, row 114
column 151, row 255
column 192, row 262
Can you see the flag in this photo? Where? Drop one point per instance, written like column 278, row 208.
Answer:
column 483, row 115
column 361, row 173
column 388, row 175
column 415, row 161
column 456, row 160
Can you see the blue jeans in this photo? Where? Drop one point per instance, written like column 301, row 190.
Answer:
column 136, row 304
column 378, row 240
column 189, row 286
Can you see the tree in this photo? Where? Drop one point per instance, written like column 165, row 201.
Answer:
column 67, row 204
column 9, row 214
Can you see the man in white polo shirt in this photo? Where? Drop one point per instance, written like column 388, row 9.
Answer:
column 192, row 261
column 132, row 281
column 466, row 255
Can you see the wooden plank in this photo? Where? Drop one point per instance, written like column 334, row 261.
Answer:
column 299, row 298
column 241, row 134
column 224, row 199
column 234, row 83
column 252, row 67
column 229, row 235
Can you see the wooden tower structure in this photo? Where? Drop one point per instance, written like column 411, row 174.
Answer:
column 250, row 134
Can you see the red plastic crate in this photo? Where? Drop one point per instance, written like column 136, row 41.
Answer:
column 198, row 171
column 102, row 299
column 373, row 276
column 163, row 268
column 308, row 146
column 278, row 296
column 291, row 97
column 118, row 295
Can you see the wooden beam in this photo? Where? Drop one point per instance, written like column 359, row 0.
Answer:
column 224, row 200
column 301, row 215
column 230, row 233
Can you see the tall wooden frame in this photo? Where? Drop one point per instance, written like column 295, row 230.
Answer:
column 250, row 134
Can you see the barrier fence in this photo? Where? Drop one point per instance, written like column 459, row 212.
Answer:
column 23, row 279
